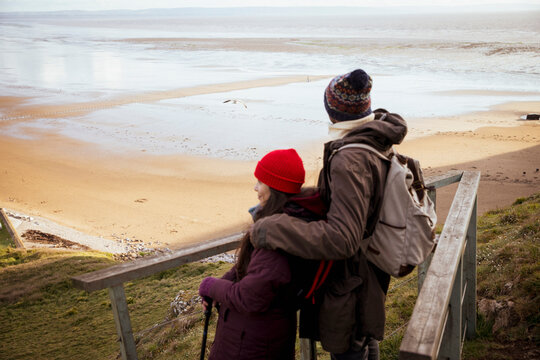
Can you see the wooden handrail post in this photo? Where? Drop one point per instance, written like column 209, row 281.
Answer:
column 450, row 347
column 422, row 268
column 470, row 276
column 123, row 323
column 432, row 193
column 308, row 349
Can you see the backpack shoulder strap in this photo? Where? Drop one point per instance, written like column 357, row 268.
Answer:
column 388, row 154
column 418, row 184
column 385, row 156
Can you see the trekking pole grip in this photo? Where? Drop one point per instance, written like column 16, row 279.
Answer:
column 208, row 310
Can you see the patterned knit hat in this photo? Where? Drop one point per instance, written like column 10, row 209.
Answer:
column 281, row 170
column 347, row 96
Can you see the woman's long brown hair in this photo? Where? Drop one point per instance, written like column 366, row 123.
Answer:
column 274, row 205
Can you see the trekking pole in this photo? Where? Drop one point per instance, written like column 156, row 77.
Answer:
column 207, row 314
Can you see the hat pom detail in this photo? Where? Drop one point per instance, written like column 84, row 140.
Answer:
column 359, row 80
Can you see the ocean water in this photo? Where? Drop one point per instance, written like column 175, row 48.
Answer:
column 423, row 65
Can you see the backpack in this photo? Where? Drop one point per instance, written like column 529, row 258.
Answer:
column 308, row 276
column 307, row 288
column 404, row 235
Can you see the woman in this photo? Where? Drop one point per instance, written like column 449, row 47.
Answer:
column 257, row 311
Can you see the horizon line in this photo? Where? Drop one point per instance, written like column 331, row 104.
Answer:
column 491, row 7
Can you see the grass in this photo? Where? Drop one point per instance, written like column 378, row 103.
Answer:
column 42, row 316
column 5, row 239
column 508, row 270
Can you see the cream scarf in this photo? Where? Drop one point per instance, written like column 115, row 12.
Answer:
column 339, row 129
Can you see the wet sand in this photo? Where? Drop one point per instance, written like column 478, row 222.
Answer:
column 13, row 112
column 175, row 200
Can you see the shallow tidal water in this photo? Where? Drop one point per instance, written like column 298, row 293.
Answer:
column 423, row 66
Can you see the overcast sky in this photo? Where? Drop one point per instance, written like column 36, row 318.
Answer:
column 52, row 5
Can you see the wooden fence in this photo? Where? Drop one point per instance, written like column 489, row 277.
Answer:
column 445, row 310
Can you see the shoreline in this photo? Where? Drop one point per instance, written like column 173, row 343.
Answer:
column 178, row 199
column 13, row 113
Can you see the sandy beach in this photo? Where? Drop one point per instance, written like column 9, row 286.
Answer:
column 173, row 200
column 144, row 128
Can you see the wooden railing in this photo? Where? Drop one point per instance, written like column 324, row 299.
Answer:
column 436, row 328
column 445, row 311
column 114, row 277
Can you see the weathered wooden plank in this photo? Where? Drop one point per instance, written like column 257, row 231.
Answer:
column 425, row 329
column 118, row 274
column 128, row 350
column 422, row 271
column 470, row 276
column 435, row 182
column 443, row 180
column 433, row 196
column 463, row 338
column 11, row 230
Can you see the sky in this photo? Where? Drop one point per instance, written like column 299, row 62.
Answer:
column 90, row 5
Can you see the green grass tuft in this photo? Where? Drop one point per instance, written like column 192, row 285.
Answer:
column 509, row 271
column 5, row 239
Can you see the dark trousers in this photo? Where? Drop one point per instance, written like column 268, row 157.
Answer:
column 360, row 351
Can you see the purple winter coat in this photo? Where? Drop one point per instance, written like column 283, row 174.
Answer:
column 255, row 321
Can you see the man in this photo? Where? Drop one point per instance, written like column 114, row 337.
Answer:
column 351, row 312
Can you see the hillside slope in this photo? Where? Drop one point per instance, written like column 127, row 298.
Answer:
column 42, row 316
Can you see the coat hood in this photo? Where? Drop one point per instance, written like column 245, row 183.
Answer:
column 386, row 130
column 308, row 205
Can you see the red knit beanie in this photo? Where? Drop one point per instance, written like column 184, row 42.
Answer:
column 281, row 170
